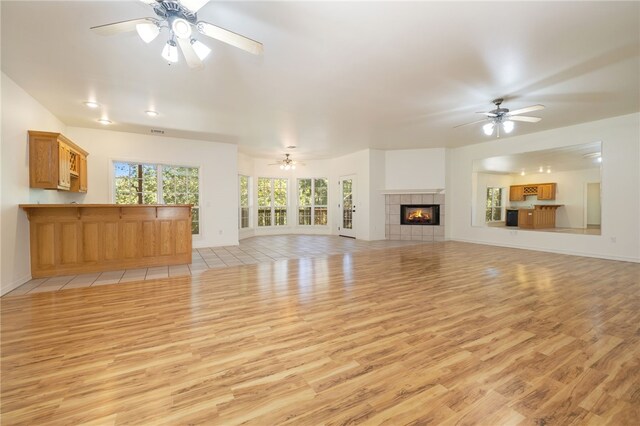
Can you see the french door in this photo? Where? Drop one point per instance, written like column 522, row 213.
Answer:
column 347, row 207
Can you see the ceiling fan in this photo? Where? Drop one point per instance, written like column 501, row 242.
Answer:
column 502, row 117
column 286, row 163
column 180, row 18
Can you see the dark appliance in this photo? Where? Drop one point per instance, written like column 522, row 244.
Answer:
column 512, row 217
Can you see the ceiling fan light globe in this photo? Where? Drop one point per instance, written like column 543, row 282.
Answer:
column 488, row 129
column 293, row 167
column 201, row 49
column 170, row 52
column 287, row 167
column 281, row 166
column 181, row 28
column 147, row 32
column 508, row 126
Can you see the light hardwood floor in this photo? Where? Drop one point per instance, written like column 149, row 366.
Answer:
column 443, row 333
column 250, row 251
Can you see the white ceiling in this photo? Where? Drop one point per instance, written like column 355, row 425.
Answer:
column 574, row 157
column 335, row 77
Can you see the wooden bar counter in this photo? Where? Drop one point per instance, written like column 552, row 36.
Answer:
column 540, row 217
column 69, row 239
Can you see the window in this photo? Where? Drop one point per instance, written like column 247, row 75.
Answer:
column 139, row 183
column 272, row 202
column 312, row 201
column 244, row 213
column 494, row 204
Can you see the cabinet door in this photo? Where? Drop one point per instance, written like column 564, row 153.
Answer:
column 547, row 191
column 64, row 178
column 43, row 162
column 516, row 193
column 83, row 173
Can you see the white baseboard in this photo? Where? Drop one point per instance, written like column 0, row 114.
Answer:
column 547, row 250
column 15, row 284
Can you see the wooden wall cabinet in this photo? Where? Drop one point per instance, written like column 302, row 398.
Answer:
column 544, row 191
column 516, row 193
column 69, row 239
column 547, row 191
column 56, row 163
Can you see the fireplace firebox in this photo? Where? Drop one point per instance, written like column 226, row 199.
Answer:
column 420, row 214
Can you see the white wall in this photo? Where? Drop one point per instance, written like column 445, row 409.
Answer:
column 620, row 237
column 377, row 182
column 593, row 204
column 570, row 192
column 21, row 113
column 218, row 164
column 414, row 169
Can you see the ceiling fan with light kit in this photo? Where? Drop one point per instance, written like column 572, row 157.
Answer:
column 504, row 118
column 179, row 18
column 287, row 163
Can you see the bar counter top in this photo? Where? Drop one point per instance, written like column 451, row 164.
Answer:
column 55, row 206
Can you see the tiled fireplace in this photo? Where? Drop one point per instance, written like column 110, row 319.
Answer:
column 417, row 217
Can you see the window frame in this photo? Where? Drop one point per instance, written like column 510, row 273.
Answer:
column 313, row 204
column 249, row 202
column 272, row 206
column 159, row 189
column 492, row 207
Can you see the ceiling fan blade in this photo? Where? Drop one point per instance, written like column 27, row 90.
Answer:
column 189, row 53
column 193, row 5
column 469, row 124
column 230, row 37
column 121, row 27
column 488, row 114
column 525, row 118
column 148, row 1
column 526, row 109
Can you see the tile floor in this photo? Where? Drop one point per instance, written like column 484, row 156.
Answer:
column 250, row 251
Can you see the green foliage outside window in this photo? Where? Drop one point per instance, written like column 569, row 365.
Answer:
column 272, row 201
column 244, row 201
column 137, row 183
column 494, row 205
column 312, row 201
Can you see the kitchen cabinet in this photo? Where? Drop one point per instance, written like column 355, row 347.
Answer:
column 516, row 193
column 525, row 218
column 69, row 239
column 544, row 191
column 540, row 217
column 55, row 162
column 547, row 191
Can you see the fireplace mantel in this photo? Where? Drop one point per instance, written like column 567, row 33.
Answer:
column 411, row 191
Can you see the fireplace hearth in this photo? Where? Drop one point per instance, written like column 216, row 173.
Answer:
column 420, row 214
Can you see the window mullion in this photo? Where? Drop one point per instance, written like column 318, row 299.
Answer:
column 159, row 180
column 273, row 201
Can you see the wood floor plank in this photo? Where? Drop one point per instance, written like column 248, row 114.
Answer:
column 444, row 333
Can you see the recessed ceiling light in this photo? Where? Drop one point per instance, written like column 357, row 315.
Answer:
column 91, row 104
column 152, row 113
column 541, row 169
column 104, row 121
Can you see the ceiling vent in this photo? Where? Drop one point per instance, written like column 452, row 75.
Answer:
column 157, row 132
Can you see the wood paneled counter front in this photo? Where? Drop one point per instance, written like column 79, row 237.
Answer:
column 68, row 239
